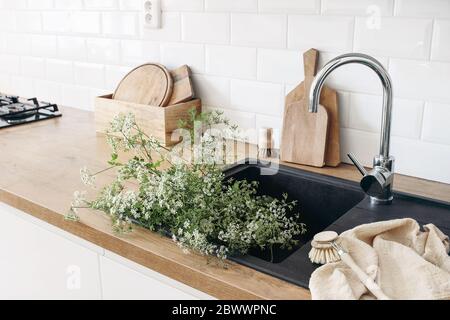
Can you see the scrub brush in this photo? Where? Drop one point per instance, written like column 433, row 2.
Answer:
column 265, row 143
column 326, row 249
column 322, row 251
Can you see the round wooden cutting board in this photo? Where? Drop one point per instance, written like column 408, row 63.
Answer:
column 149, row 84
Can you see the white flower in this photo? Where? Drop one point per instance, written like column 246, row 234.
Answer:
column 87, row 177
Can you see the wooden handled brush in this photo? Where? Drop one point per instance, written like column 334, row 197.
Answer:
column 326, row 249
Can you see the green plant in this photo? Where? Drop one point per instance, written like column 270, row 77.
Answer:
column 191, row 199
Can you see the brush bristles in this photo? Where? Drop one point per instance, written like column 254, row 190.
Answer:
column 324, row 255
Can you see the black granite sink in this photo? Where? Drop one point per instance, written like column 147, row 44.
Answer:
column 325, row 203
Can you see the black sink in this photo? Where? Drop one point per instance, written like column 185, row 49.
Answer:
column 324, row 203
column 321, row 200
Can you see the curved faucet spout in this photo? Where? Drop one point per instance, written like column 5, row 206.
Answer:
column 378, row 182
column 375, row 65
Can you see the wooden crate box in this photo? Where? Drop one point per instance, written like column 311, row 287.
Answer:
column 159, row 122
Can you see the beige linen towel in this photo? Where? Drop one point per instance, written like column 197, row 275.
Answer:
column 404, row 261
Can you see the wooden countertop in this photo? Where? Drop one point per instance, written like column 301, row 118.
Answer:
column 40, row 171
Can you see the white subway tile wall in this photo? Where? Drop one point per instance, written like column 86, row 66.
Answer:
column 245, row 56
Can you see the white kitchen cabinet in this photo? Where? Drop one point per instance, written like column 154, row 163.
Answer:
column 38, row 264
column 125, row 279
column 40, row 261
column 122, row 283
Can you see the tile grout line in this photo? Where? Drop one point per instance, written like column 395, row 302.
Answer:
column 430, row 53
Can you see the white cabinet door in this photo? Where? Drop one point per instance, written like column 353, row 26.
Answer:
column 123, row 283
column 36, row 263
column 40, row 261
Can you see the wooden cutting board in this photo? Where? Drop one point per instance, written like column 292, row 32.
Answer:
column 329, row 100
column 183, row 90
column 304, row 137
column 149, row 84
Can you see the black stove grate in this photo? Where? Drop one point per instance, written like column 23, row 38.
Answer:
column 14, row 111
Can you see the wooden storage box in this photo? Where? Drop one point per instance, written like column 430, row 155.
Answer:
column 159, row 122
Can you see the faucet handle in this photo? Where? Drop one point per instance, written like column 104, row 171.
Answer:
column 358, row 164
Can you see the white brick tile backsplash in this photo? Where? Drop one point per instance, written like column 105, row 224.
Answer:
column 182, row 5
column 231, row 5
column 431, row 157
column 383, row 38
column 436, row 126
column 130, row 4
column 333, row 34
column 289, row 6
column 261, row 30
column 5, row 84
column 101, row 4
column 136, row 52
column 28, row 21
column 97, row 93
column 282, row 66
column 441, row 43
column 213, row 28
column 257, row 97
column 60, row 70
column 120, row 24
column 407, row 118
column 344, row 108
column 244, row 120
column 421, row 80
column 86, row 22
column 365, row 114
column 113, row 75
column 39, row 4
column 77, row 96
column 18, row 44
column 44, row 46
column 214, row 91
column 72, row 48
column 9, row 64
column 420, row 8
column 170, row 31
column 48, row 90
column 246, row 55
column 103, row 51
column 32, row 67
column 69, row 4
column 235, row 62
column 364, row 145
column 358, row 7
column 8, row 21
column 18, row 4
column 89, row 74
column 23, row 84
column 58, row 21
column 353, row 77
column 174, row 55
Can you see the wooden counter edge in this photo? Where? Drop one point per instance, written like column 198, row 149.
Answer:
column 195, row 275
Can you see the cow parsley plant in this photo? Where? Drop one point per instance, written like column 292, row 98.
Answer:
column 190, row 200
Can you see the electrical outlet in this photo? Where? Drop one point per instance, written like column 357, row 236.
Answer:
column 152, row 14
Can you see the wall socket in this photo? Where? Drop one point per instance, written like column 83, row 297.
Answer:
column 152, row 14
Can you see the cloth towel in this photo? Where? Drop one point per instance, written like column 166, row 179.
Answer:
column 407, row 263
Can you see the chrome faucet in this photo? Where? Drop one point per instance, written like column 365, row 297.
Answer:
column 378, row 182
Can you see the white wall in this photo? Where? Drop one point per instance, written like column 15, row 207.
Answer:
column 246, row 55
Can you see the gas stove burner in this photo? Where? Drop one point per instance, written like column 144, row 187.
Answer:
column 17, row 111
column 13, row 111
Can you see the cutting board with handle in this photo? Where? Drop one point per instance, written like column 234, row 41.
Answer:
column 304, row 137
column 183, row 90
column 329, row 100
column 149, row 84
